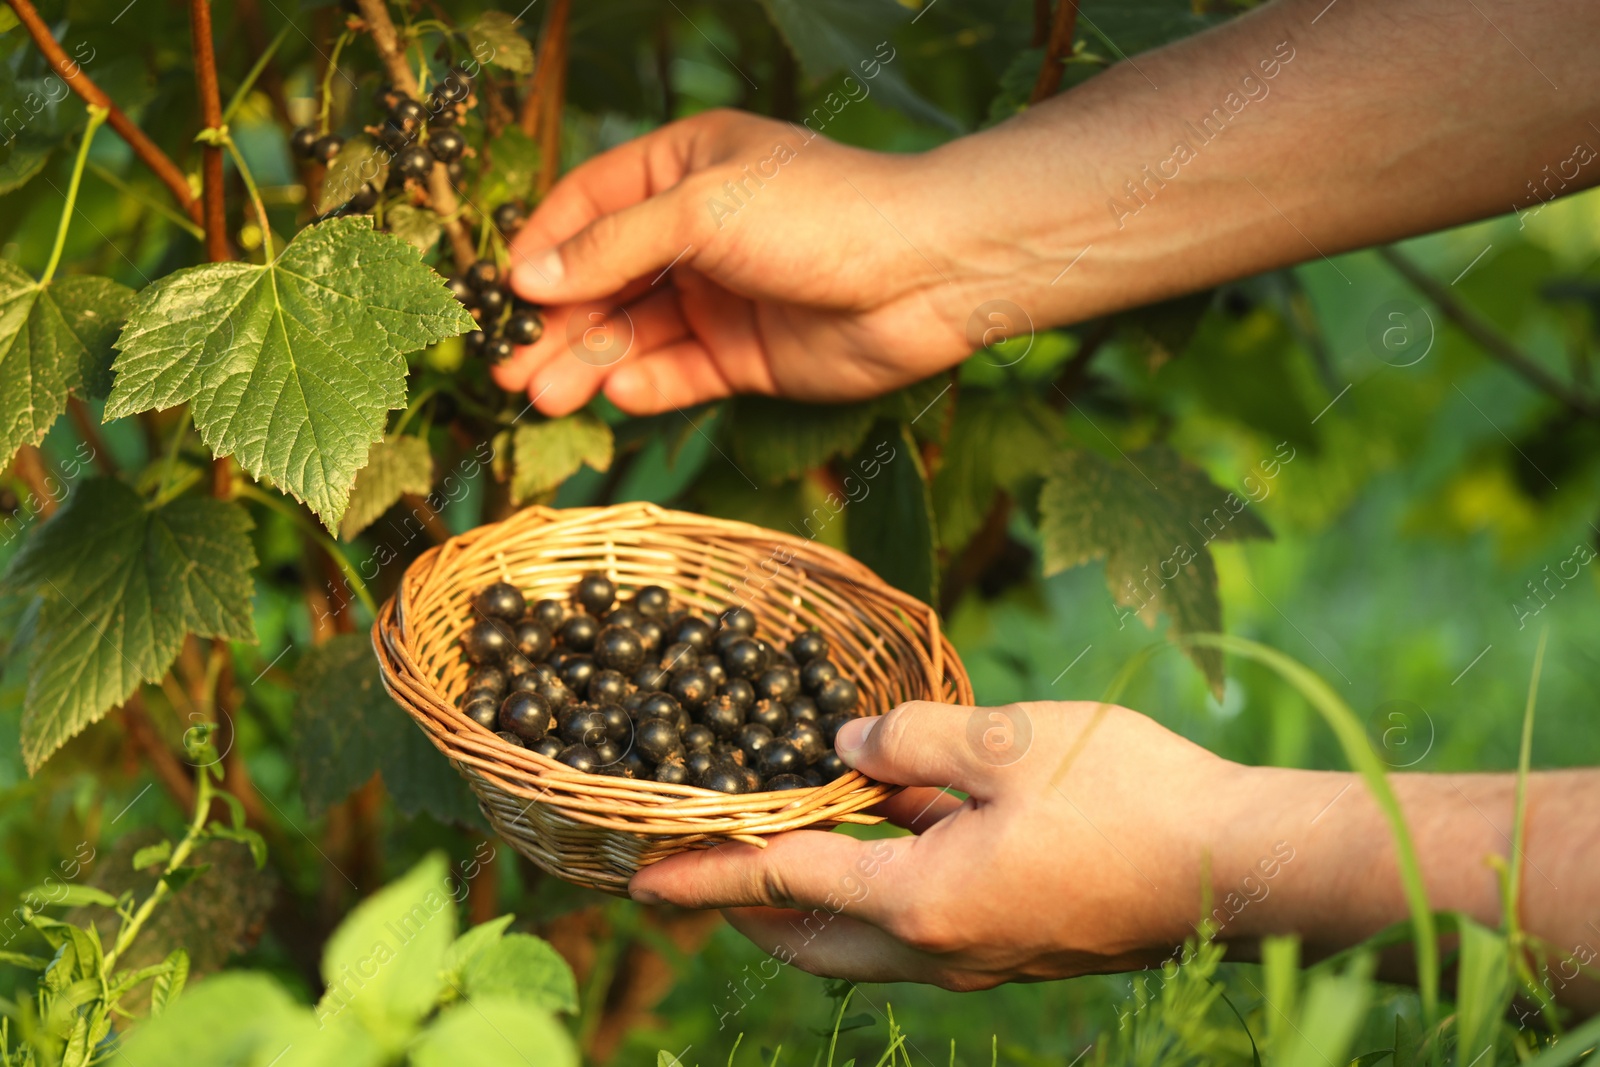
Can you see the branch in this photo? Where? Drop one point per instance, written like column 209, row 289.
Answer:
column 205, row 79
column 1056, row 50
column 387, row 41
column 91, row 436
column 429, row 517
column 29, row 466
column 541, row 111
column 1488, row 337
column 80, row 83
column 168, row 771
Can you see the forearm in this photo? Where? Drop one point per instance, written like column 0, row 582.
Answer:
column 1342, row 882
column 1277, row 138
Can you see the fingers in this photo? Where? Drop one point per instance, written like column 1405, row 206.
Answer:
column 676, row 376
column 802, row 869
column 836, row 946
column 918, row 743
column 918, row 809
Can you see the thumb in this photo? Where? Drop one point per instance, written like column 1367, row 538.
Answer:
column 638, row 241
column 924, row 743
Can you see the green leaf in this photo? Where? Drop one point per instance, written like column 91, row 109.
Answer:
column 25, row 156
column 547, row 453
column 180, row 877
column 71, row 896
column 54, row 339
column 996, row 442
column 1164, row 330
column 123, row 584
column 494, row 39
column 464, row 948
column 247, row 837
column 1335, row 1007
column 494, row 1032
column 168, row 986
column 360, row 161
column 225, row 1020
column 1151, row 516
column 290, row 367
column 22, row 959
column 384, row 961
column 347, row 728
column 395, row 466
column 778, row 440
column 924, row 406
column 149, row 854
column 508, row 167
column 521, row 967
column 1483, row 991
column 417, row 226
column 889, row 517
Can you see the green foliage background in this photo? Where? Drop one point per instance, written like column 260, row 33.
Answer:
column 1410, row 507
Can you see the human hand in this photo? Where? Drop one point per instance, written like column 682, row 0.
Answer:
column 821, row 279
column 1036, row 875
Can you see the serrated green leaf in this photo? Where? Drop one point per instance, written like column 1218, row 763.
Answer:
column 222, row 1021
column 168, row 986
column 521, row 967
column 924, row 406
column 290, row 367
column 360, row 161
column 508, row 167
column 494, row 39
column 547, row 453
column 23, row 158
column 383, row 964
column 122, row 584
column 395, row 466
column 1151, row 516
column 889, row 517
column 419, row 227
column 996, row 442
column 54, row 339
column 159, row 852
column 778, row 440
column 347, row 728
column 494, row 1032
column 468, row 945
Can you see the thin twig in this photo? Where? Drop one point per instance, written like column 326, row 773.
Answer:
column 1487, row 336
column 168, row 771
column 541, row 111
column 91, row 436
column 429, row 517
column 29, row 466
column 1056, row 50
column 80, row 83
column 393, row 54
column 205, row 79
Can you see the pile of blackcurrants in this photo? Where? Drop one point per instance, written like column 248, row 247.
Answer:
column 644, row 689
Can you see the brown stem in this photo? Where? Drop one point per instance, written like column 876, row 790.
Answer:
column 1056, row 50
column 271, row 80
column 483, row 892
column 1041, row 23
column 205, row 78
column 1488, row 337
column 429, row 517
column 29, row 466
column 166, row 767
column 984, row 548
column 541, row 111
column 366, row 853
column 80, row 83
column 1076, row 372
column 644, row 976
column 90, row 435
column 386, row 39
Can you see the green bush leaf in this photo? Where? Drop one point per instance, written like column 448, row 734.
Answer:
column 291, row 367
column 1334, row 1008
column 417, row 226
column 347, row 728
column 494, row 39
column 1483, row 991
column 776, row 441
column 464, row 948
column 71, row 896
column 521, row 967
column 547, row 453
column 395, row 466
column 151, row 854
column 507, row 169
column 221, row 1021
column 168, row 986
column 1151, row 517
column 122, row 584
column 360, row 161
column 384, row 962
column 996, row 442
column 54, row 339
column 889, row 525
column 494, row 1032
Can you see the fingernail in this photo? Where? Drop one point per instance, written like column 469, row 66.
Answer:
column 852, row 735
column 539, row 270
column 643, row 896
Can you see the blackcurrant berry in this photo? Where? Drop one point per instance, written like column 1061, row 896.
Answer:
column 608, row 753
column 549, row 746
column 752, row 738
column 446, row 144
column 492, row 302
column 691, row 688
column 623, row 616
column 619, row 648
column 698, row 738
column 527, row 682
column 803, row 709
column 816, row 674
column 363, row 201
column 487, row 678
column 508, row 218
column 395, row 139
column 742, row 692
column 722, row 716
column 635, row 765
column 578, row 633
column 527, row 715
column 619, row 727
column 659, row 706
column 657, row 739
column 650, row 678
column 808, row 739
column 744, row 658
column 652, row 601
column 752, row 780
column 595, row 592
column 830, row 766
column 778, row 683
column 769, row 713
column 488, row 641
column 499, row 601
column 650, row 631
column 606, row 687
column 740, row 621
column 413, row 162
column 484, row 711
column 808, row 646
column 586, row 726
column 698, row 762
column 533, row 640
column 442, row 112
column 483, row 274
column 559, row 696
column 474, row 341
column 325, row 148
column 579, row 758
column 679, row 657
column 713, row 669
column 838, row 697
column 779, row 757
column 781, row 782
column 301, row 142
column 407, row 114
column 723, row 778
column 694, row 632
column 455, row 87
column 672, row 772
column 509, row 738
column 577, row 672
column 551, row 613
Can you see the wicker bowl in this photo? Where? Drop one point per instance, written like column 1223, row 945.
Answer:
column 597, row 831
